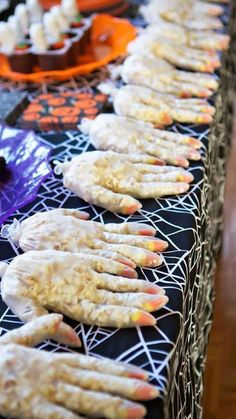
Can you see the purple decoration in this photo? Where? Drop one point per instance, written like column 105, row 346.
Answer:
column 27, row 167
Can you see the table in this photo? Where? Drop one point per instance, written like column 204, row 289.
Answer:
column 173, row 351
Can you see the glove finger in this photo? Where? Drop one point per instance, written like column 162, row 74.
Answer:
column 187, row 116
column 41, row 409
column 207, row 80
column 114, row 202
column 178, row 138
column 140, row 256
column 71, row 212
column 177, row 176
column 120, row 284
column 97, row 404
column 101, row 264
column 106, row 366
column 144, row 190
column 153, row 244
column 129, row 388
column 110, row 255
column 108, row 315
column 130, row 228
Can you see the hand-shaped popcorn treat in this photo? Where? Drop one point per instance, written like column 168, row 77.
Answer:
column 124, row 135
column 112, row 180
column 218, row 1
column 80, row 286
column 147, row 70
column 192, row 7
column 207, row 40
column 160, row 109
column 42, row 385
column 175, row 53
column 128, row 244
column 193, row 14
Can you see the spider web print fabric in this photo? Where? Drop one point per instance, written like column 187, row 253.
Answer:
column 173, row 352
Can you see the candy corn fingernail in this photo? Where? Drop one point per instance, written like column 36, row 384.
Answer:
column 141, row 318
column 164, row 244
column 181, row 161
column 216, row 62
column 166, row 119
column 157, row 245
column 126, row 261
column 132, row 209
column 73, row 338
column 185, row 177
column 133, row 372
column 225, row 43
column 205, row 93
column 182, row 188
column 84, row 215
column 57, row 323
column 152, row 260
column 193, row 142
column 208, row 109
column 156, row 303
column 157, row 162
column 146, row 392
column 154, row 289
column 204, row 119
column 194, row 155
column 129, row 273
column 135, row 412
column 208, row 68
column 185, row 95
column 147, row 232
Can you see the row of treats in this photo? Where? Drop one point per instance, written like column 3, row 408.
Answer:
column 52, row 40
column 69, row 262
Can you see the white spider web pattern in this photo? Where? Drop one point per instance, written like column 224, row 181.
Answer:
column 173, row 351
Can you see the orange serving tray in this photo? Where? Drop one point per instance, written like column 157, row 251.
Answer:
column 84, row 5
column 87, row 5
column 109, row 39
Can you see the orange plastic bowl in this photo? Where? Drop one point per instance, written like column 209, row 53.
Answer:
column 109, row 39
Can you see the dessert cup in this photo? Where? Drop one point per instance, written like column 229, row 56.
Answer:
column 22, row 59
column 56, row 58
column 75, row 40
column 85, row 26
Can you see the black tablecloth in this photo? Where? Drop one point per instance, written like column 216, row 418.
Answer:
column 173, row 351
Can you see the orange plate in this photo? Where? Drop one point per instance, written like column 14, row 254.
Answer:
column 115, row 35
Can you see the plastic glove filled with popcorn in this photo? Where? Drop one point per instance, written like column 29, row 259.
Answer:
column 147, row 70
column 207, row 40
column 128, row 244
column 192, row 7
column 82, row 287
column 193, row 14
column 113, row 180
column 175, row 53
column 124, row 135
column 145, row 104
column 37, row 384
column 218, row 1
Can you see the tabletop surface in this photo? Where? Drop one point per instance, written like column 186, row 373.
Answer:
column 178, row 219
